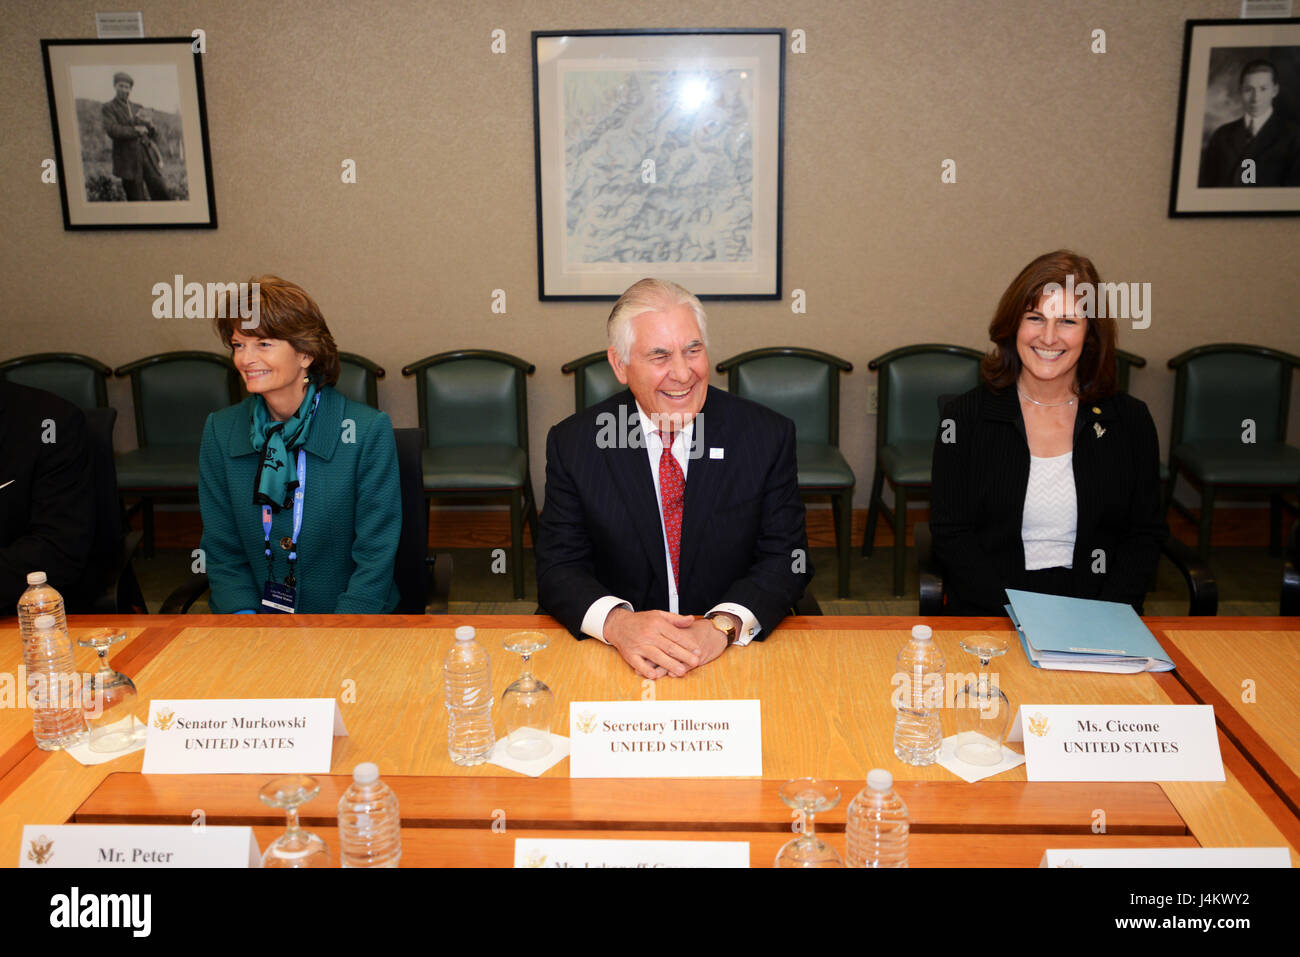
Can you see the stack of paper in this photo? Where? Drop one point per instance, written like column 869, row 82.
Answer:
column 1079, row 634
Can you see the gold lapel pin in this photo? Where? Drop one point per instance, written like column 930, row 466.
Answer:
column 1100, row 430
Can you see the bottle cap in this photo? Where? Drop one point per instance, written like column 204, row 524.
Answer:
column 45, row 623
column 36, row 578
column 879, row 779
column 922, row 632
column 465, row 633
column 365, row 773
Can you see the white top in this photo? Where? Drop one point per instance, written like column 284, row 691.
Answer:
column 593, row 622
column 1051, row 517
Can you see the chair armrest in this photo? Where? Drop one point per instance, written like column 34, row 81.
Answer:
column 179, row 601
column 1202, row 588
column 807, row 605
column 442, row 570
column 930, row 574
column 1291, row 575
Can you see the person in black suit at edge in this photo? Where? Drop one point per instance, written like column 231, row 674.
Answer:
column 670, row 558
column 1045, row 478
column 47, row 505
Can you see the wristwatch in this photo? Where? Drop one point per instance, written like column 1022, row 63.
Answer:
column 724, row 624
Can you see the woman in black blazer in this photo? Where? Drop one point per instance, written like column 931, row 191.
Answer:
column 1045, row 478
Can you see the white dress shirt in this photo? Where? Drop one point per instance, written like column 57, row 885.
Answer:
column 593, row 622
column 1255, row 123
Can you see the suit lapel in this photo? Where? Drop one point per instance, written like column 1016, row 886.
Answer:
column 704, row 479
column 629, row 466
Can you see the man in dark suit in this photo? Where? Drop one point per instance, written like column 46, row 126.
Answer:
column 673, row 525
column 1270, row 140
column 47, row 506
column 136, row 156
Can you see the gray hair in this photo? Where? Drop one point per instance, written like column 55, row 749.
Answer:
column 649, row 295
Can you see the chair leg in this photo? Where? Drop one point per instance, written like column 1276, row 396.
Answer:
column 1207, row 520
column 517, row 539
column 1275, row 524
column 900, row 538
column 146, row 523
column 873, row 512
column 844, row 536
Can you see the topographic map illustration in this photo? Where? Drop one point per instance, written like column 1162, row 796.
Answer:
column 697, row 128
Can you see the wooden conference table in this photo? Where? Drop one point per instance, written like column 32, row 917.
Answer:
column 825, row 690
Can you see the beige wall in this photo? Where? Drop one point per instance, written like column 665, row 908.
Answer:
column 1054, row 146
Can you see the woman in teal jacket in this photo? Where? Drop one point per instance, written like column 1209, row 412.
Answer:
column 256, row 455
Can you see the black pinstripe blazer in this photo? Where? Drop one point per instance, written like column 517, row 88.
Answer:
column 600, row 532
column 978, row 498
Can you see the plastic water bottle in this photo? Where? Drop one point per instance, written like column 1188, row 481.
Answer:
column 467, row 683
column 877, row 828
column 58, row 717
column 370, row 826
column 917, row 732
column 39, row 599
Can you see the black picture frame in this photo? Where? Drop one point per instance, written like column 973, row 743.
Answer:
column 175, row 155
column 757, row 101
column 1208, row 145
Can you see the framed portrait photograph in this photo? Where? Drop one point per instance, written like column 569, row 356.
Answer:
column 658, row 154
column 130, row 133
column 1237, row 150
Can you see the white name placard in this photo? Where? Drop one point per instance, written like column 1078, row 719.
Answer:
column 242, row 736
column 534, row 852
column 1119, row 742
column 665, row 739
column 124, row 845
column 1168, row 857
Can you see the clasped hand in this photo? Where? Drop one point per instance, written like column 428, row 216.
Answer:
column 656, row 643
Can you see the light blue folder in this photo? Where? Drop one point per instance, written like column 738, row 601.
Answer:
column 1080, row 634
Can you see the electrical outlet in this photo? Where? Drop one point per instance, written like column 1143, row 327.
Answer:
column 873, row 399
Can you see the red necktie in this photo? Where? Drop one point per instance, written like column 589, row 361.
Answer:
column 672, row 489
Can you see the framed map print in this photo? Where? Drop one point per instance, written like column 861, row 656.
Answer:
column 658, row 154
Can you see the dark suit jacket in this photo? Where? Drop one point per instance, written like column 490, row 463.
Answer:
column 1276, row 152
column 978, row 497
column 601, row 533
column 129, row 151
column 47, row 509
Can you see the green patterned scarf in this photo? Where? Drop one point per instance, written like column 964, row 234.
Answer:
column 277, row 473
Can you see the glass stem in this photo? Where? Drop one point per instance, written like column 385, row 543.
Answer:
column 292, row 814
column 810, row 826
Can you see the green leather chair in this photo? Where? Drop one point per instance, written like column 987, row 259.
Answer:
column 473, row 406
column 359, row 379
column 79, row 379
column 1126, row 363
column 173, row 394
column 593, row 380
column 804, row 385
column 912, row 379
column 1216, row 390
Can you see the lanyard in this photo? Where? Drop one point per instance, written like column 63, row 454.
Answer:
column 289, row 580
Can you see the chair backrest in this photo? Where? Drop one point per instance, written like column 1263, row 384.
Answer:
column 801, row 384
column 472, row 397
column 78, row 379
column 1218, row 387
column 106, row 544
column 911, row 381
column 359, row 379
column 409, row 568
column 1125, row 363
column 593, row 380
column 175, row 392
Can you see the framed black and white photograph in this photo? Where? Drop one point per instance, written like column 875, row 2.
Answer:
column 658, row 154
column 1237, row 150
column 130, row 133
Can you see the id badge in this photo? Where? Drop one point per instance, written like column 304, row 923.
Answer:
column 278, row 599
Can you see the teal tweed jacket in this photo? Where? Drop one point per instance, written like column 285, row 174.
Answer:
column 352, row 512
